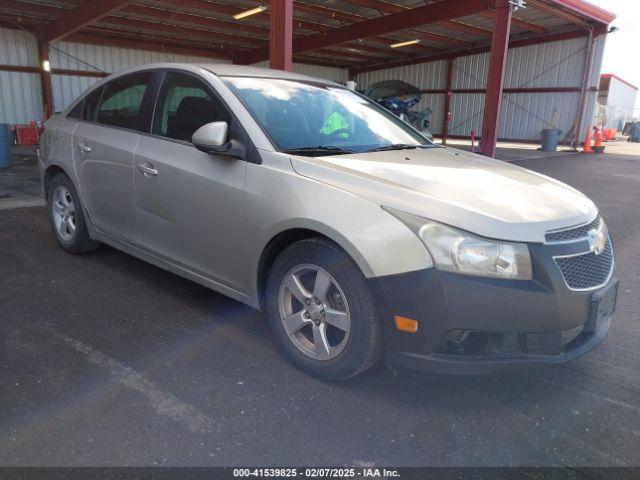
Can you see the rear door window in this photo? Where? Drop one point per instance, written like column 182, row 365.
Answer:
column 122, row 100
column 185, row 104
column 90, row 105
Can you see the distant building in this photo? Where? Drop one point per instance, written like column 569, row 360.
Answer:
column 616, row 101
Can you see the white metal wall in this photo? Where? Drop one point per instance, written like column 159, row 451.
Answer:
column 20, row 93
column 425, row 76
column 523, row 115
column 82, row 56
column 620, row 104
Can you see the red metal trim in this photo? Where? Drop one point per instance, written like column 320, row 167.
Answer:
column 79, row 73
column 587, row 10
column 18, row 68
column 611, row 75
column 281, row 35
column 73, row 20
column 495, row 78
column 447, row 102
column 472, row 91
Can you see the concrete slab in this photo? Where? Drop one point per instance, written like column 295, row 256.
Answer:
column 106, row 360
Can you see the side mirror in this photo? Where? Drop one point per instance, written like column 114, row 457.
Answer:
column 212, row 138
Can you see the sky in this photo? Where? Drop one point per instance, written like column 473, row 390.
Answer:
column 621, row 54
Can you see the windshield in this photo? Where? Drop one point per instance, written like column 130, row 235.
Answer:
column 303, row 115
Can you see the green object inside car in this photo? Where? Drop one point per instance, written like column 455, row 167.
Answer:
column 334, row 123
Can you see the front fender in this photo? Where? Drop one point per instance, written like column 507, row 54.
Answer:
column 278, row 199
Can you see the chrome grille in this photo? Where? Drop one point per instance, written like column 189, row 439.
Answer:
column 587, row 271
column 573, row 233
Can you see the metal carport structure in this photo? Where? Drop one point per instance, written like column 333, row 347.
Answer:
column 351, row 35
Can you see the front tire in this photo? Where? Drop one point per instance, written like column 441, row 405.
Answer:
column 322, row 310
column 66, row 217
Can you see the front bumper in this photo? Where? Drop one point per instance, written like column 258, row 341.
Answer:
column 512, row 324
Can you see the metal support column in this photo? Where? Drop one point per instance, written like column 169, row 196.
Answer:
column 281, row 34
column 447, row 102
column 45, row 79
column 495, row 78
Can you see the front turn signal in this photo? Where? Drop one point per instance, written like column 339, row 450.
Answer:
column 405, row 324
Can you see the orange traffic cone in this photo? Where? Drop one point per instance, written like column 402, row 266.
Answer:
column 597, row 144
column 587, row 142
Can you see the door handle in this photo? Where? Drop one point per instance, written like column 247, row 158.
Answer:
column 147, row 170
column 84, row 148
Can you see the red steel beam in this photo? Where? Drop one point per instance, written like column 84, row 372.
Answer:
column 517, row 22
column 447, row 102
column 45, row 80
column 556, row 12
column 154, row 46
column 76, row 19
column 393, row 8
column 495, row 78
column 192, row 32
column 378, row 5
column 414, row 17
column 281, row 35
column 466, row 28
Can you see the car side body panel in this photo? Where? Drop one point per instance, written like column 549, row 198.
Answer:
column 278, row 199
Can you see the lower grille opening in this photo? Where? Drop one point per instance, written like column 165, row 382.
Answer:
column 468, row 342
column 476, row 343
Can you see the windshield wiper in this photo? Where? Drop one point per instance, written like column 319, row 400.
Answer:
column 396, row 146
column 321, row 149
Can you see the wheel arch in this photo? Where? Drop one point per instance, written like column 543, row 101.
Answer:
column 286, row 237
column 50, row 172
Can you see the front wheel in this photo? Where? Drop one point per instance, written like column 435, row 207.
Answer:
column 322, row 310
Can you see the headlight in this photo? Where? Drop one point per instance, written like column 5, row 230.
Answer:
column 458, row 251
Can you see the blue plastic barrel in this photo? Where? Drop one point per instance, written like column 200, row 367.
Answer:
column 550, row 137
column 6, row 139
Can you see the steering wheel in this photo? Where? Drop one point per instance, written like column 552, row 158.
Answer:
column 336, row 135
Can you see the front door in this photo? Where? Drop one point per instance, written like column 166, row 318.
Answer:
column 103, row 145
column 189, row 203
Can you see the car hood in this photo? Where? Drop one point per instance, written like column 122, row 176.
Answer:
column 488, row 197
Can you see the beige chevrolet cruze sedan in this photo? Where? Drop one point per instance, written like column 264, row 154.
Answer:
column 360, row 238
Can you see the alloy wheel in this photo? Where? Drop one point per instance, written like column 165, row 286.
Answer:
column 64, row 213
column 314, row 312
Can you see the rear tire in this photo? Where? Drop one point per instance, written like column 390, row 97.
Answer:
column 67, row 217
column 322, row 310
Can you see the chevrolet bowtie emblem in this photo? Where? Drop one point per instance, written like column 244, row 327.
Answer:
column 597, row 240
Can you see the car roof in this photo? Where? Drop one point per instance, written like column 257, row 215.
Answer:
column 224, row 70
column 229, row 70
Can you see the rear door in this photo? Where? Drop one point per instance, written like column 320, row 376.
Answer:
column 189, row 203
column 103, row 144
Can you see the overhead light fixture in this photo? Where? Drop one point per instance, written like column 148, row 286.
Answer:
column 46, row 66
column 250, row 12
column 404, row 44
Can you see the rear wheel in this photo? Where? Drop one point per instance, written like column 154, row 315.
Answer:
column 66, row 217
column 322, row 310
